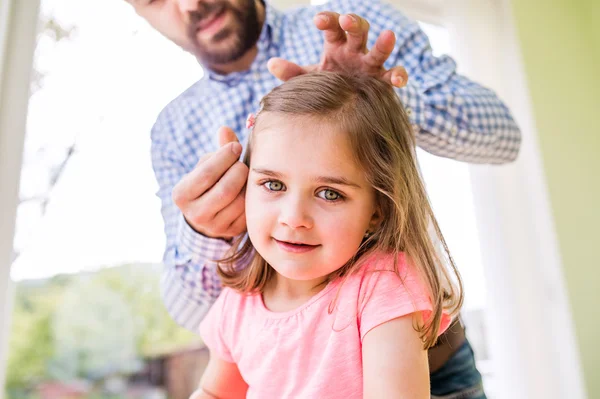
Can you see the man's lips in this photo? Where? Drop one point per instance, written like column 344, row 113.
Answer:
column 206, row 23
column 294, row 246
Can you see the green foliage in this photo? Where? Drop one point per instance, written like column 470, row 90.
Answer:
column 78, row 326
column 94, row 332
column 31, row 341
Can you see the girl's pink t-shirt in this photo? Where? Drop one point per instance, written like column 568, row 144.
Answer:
column 312, row 352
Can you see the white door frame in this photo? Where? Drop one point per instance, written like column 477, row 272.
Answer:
column 529, row 312
column 18, row 27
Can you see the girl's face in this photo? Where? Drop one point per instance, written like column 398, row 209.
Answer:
column 308, row 204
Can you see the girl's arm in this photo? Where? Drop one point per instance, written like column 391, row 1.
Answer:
column 394, row 362
column 221, row 380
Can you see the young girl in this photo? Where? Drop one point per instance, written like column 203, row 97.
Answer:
column 346, row 290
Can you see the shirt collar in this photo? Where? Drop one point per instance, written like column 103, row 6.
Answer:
column 274, row 20
column 269, row 35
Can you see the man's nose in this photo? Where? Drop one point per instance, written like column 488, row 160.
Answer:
column 295, row 213
column 186, row 6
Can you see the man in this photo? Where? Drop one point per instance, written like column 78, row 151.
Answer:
column 202, row 192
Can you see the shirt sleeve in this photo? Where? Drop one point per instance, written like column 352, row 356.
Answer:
column 385, row 295
column 212, row 326
column 453, row 116
column 189, row 283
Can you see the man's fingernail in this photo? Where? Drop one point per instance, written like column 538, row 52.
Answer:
column 397, row 80
column 274, row 67
column 352, row 18
column 236, row 148
column 324, row 18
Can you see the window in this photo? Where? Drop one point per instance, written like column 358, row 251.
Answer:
column 89, row 237
column 97, row 102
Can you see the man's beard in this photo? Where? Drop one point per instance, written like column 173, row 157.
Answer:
column 243, row 34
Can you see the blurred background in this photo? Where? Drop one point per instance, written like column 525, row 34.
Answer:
column 84, row 318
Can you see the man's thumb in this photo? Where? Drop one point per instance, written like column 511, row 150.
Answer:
column 226, row 135
column 284, row 70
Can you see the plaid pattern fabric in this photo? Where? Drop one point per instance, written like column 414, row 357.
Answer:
column 453, row 117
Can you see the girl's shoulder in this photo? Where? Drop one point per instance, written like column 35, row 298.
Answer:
column 383, row 288
column 383, row 263
column 383, row 274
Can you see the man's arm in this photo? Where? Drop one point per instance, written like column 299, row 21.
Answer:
column 189, row 284
column 455, row 117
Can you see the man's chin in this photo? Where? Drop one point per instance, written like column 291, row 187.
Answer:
column 219, row 57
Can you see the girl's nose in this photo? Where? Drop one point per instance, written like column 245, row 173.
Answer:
column 295, row 214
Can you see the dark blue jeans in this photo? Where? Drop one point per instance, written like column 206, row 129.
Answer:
column 458, row 378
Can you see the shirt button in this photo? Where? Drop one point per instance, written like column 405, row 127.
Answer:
column 256, row 76
column 409, row 112
column 454, row 131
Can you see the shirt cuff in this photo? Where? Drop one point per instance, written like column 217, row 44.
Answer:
column 196, row 246
column 434, row 119
column 413, row 102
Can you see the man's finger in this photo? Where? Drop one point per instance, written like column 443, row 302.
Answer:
column 357, row 30
column 329, row 23
column 222, row 222
column 397, row 76
column 206, row 173
column 384, row 45
column 204, row 158
column 226, row 135
column 284, row 70
column 221, row 194
column 238, row 227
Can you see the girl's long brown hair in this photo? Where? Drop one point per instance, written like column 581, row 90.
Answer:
column 383, row 143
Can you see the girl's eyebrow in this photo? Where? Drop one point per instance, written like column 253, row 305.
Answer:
column 267, row 172
column 342, row 181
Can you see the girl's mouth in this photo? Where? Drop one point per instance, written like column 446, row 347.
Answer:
column 295, row 247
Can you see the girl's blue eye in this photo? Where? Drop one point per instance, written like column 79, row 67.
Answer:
column 273, row 185
column 329, row 195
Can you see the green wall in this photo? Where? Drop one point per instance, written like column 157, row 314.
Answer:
column 595, row 20
column 560, row 42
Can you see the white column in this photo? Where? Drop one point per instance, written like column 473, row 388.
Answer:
column 429, row 11
column 531, row 330
column 18, row 25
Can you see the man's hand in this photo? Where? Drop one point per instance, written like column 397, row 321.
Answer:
column 211, row 196
column 345, row 50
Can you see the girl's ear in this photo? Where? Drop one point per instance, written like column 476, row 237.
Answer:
column 376, row 219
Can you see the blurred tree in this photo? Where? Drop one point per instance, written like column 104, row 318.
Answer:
column 83, row 325
column 31, row 342
column 94, row 333
column 139, row 285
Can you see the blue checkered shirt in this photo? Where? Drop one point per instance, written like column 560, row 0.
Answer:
column 453, row 118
